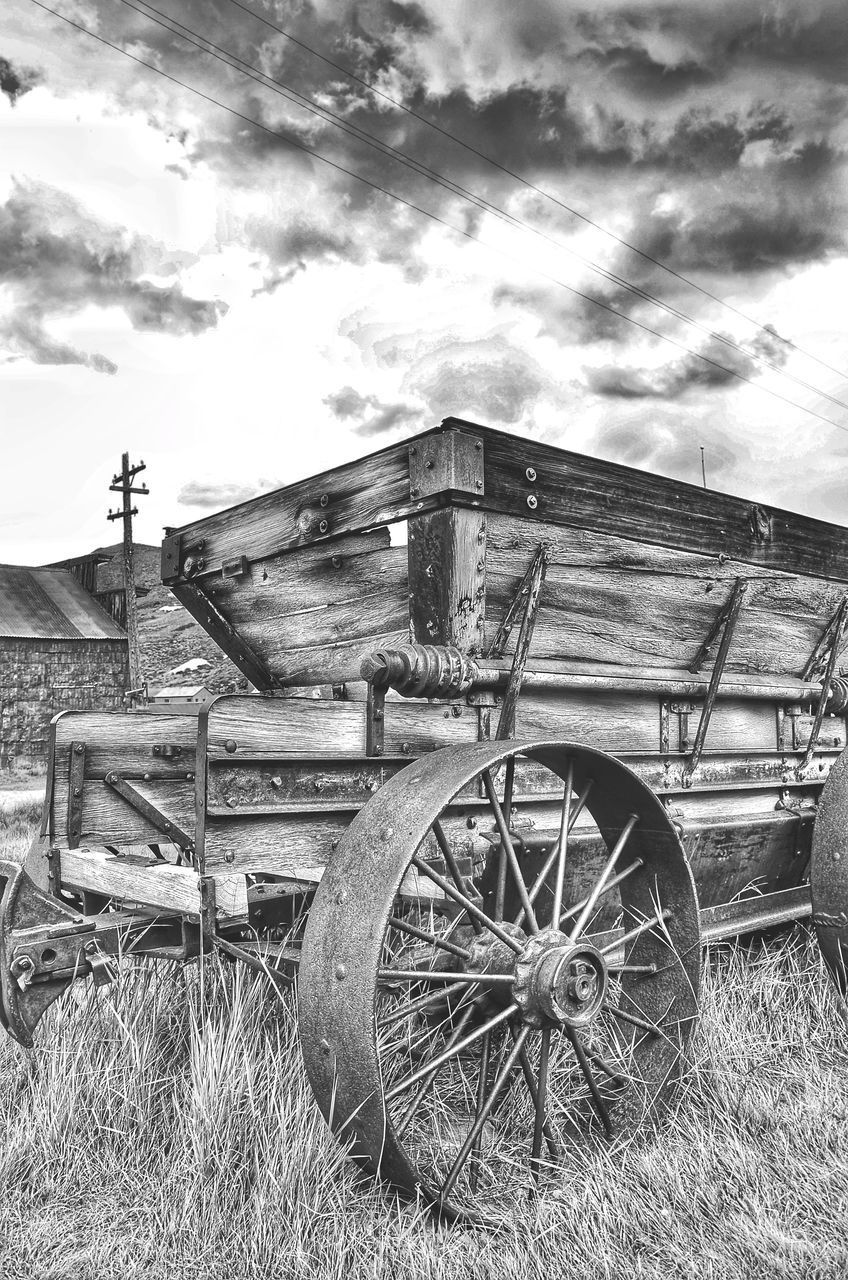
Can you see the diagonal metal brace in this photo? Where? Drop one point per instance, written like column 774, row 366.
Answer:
column 828, row 642
column 531, row 590
column 836, row 632
column 149, row 812
column 727, row 619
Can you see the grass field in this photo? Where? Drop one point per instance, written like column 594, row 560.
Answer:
column 162, row 1127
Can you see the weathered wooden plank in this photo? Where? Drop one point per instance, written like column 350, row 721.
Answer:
column 608, row 601
column 370, row 491
column 354, row 567
column 107, row 819
column 158, row 884
column 588, row 493
column 124, row 741
column 447, row 582
column 296, row 726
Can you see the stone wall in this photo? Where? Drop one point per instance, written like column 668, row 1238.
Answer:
column 39, row 678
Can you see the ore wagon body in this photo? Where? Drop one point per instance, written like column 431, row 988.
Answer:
column 529, row 728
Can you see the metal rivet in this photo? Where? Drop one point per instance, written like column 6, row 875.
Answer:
column 341, row 972
column 428, row 466
column 479, row 484
column 532, row 501
column 414, row 491
column 276, row 781
column 78, row 748
column 456, row 712
column 77, row 791
column 323, row 526
column 480, row 566
column 405, row 748
column 336, row 562
column 324, row 499
column 479, row 445
column 231, row 745
column 229, row 856
column 531, row 474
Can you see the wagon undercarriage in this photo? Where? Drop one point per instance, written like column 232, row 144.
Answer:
column 514, row 772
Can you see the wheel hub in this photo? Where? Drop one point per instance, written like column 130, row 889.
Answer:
column 559, row 981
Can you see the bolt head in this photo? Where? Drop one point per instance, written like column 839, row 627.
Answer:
column 531, row 474
column 340, row 973
column 532, row 501
column 231, row 745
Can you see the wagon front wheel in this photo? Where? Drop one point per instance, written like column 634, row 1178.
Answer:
column 479, row 990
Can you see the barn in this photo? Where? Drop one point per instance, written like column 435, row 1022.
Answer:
column 58, row 650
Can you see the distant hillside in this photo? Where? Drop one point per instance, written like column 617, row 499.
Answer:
column 170, row 637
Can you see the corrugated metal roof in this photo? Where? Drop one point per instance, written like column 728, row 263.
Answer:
column 49, row 604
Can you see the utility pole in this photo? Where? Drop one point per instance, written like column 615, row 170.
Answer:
column 123, row 484
column 703, row 468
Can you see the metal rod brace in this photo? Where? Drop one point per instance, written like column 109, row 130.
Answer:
column 148, row 811
column 727, row 619
column 837, row 630
column 532, row 583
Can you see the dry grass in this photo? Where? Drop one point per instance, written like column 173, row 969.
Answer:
column 162, row 1127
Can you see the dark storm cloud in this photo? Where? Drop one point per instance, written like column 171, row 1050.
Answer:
column 643, row 75
column 369, row 415
column 16, row 81
column 56, row 259
column 717, row 365
column 198, row 493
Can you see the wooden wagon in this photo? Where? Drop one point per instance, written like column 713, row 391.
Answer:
column 528, row 730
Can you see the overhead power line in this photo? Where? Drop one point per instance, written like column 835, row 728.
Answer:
column 305, row 103
column 468, row 235
column 526, row 182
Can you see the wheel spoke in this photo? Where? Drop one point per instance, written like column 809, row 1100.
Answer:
column 477, row 1127
column 608, row 888
column 530, row 1080
column 603, row 878
column 597, row 1098
column 473, row 910
column 576, row 810
column 452, row 865
column 509, row 784
column 421, row 1002
column 619, row 1077
column 635, row 933
column 650, row 1027
column 541, row 1101
column 482, row 1081
column 452, row 1052
column 632, row 968
column 403, row 927
column 443, row 975
column 430, row 1079
column 560, row 871
column 509, row 848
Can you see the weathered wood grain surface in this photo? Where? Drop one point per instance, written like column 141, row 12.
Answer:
column 589, row 493
column 370, row 491
column 446, row 581
column 157, row 884
column 607, row 599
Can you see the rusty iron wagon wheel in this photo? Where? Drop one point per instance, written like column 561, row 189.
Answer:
column 829, row 873
column 475, row 996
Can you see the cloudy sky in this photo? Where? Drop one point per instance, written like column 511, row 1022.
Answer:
column 210, row 295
